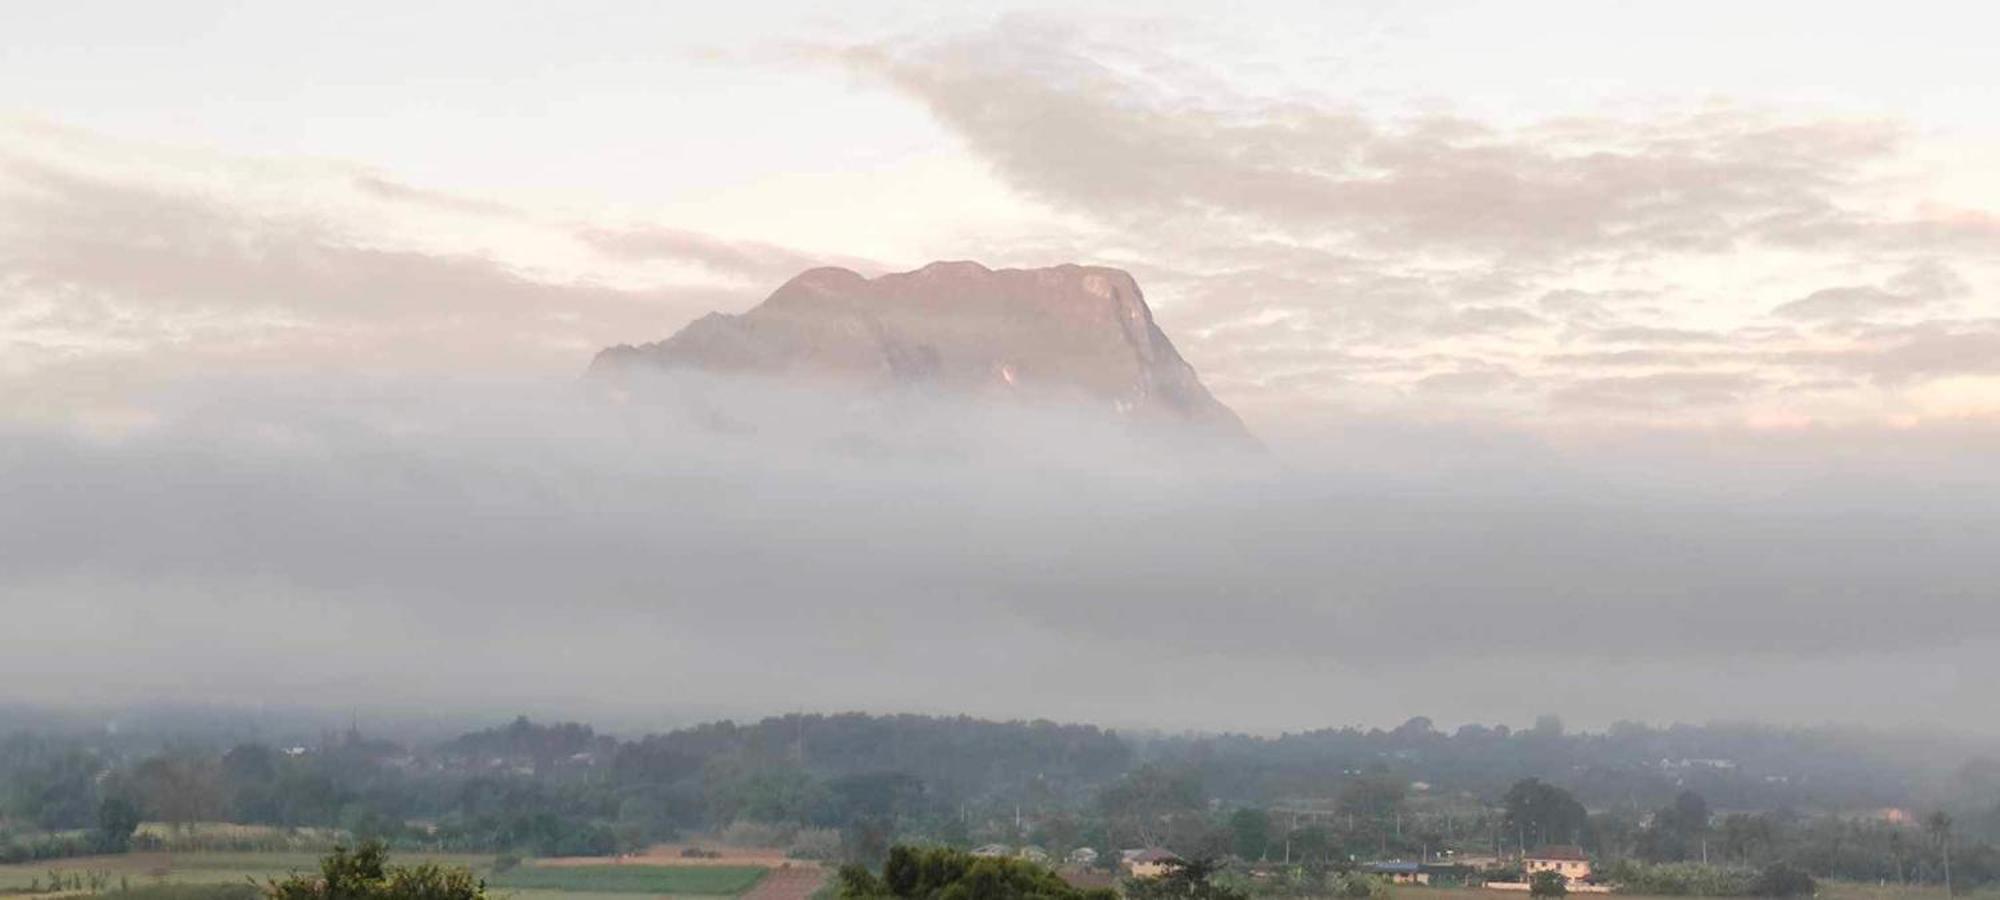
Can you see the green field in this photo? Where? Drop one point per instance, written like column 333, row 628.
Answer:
column 529, row 882
column 1828, row 890
column 135, row 870
column 153, row 876
column 724, row 881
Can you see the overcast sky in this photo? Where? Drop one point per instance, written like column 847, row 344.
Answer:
column 1615, row 362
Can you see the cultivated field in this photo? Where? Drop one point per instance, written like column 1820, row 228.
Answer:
column 632, row 878
column 794, row 883
column 599, row 879
column 676, row 855
column 735, row 874
column 140, row 869
column 1828, row 890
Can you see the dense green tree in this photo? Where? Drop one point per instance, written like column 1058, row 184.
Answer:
column 1548, row 884
column 1939, row 825
column 364, row 874
column 1678, row 831
column 1783, row 880
column 1358, row 886
column 1142, row 807
column 180, row 787
column 1312, row 844
column 118, row 819
column 50, row 784
column 1540, row 813
column 1250, row 833
column 942, row 873
column 1374, row 799
column 1747, row 838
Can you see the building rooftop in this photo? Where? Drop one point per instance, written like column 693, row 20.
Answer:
column 1393, row 867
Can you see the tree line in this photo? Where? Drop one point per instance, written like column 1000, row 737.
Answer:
column 850, row 786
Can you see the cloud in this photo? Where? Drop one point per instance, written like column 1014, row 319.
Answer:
column 1856, row 301
column 1924, row 283
column 116, row 278
column 1897, row 356
column 1661, row 391
column 762, row 263
column 397, row 192
column 1652, row 334
column 290, row 539
column 1472, row 379
column 1389, row 237
column 1486, row 320
column 1061, row 122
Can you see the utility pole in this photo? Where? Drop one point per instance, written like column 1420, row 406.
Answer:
column 1946, row 841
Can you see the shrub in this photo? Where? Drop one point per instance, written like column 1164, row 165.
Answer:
column 1548, row 884
column 1682, row 879
column 942, row 872
column 364, row 874
column 1783, row 880
column 1356, row 886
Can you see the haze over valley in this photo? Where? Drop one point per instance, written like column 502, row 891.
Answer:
column 1151, row 367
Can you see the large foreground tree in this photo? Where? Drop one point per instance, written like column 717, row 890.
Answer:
column 364, row 874
column 942, row 873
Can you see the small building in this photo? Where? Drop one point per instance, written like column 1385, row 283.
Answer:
column 1397, row 871
column 1568, row 861
column 1034, row 854
column 1082, row 857
column 1152, row 862
column 993, row 851
column 1448, row 874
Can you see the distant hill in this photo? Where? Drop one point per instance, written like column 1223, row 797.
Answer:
column 1072, row 335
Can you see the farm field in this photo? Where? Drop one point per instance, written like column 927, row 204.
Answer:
column 714, row 854
column 793, row 883
column 661, row 872
column 139, row 869
column 601, row 880
column 632, row 878
column 1828, row 890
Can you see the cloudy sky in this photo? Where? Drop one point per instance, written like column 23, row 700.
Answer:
column 1670, row 335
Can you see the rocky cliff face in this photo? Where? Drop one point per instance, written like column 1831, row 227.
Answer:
column 1075, row 335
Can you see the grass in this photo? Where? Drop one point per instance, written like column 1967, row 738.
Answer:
column 153, row 869
column 721, row 881
column 198, row 837
column 190, row 892
column 230, row 830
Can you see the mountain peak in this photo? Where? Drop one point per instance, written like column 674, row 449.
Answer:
column 1070, row 334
